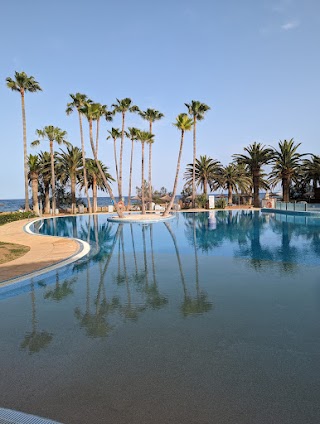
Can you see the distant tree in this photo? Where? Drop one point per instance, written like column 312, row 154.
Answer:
column 150, row 115
column 206, row 169
column 78, row 102
column 132, row 134
column 123, row 106
column 115, row 134
column 95, row 180
column 52, row 134
column 232, row 178
column 286, row 166
column 143, row 137
column 183, row 123
column 22, row 83
column 34, row 170
column 197, row 110
column 257, row 156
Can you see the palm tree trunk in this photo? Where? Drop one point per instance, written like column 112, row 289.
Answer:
column 121, row 156
column 47, row 198
column 34, row 185
column 94, row 193
column 142, row 179
column 286, row 189
column 25, row 153
column 256, row 181
column 53, row 182
column 150, row 166
column 205, row 187
column 97, row 135
column 73, row 193
column 229, row 194
column 107, row 185
column 85, row 179
column 168, row 208
column 130, row 176
column 194, row 161
column 116, row 164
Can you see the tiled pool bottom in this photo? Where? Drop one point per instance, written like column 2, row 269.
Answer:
column 196, row 325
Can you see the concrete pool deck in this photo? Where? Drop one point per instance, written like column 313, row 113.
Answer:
column 44, row 251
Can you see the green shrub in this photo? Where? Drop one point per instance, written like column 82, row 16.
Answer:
column 201, row 201
column 220, row 203
column 14, row 216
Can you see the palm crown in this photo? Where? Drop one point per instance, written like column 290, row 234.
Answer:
column 197, row 109
column 23, row 83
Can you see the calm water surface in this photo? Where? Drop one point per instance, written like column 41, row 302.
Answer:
column 205, row 319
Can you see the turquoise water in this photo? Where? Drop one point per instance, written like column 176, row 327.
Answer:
column 204, row 319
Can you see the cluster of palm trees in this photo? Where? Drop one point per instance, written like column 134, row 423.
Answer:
column 245, row 174
column 94, row 112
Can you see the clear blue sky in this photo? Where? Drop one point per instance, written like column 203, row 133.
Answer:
column 256, row 63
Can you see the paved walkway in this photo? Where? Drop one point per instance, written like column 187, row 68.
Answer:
column 44, row 251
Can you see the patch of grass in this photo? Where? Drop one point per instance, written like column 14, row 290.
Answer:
column 10, row 251
column 15, row 216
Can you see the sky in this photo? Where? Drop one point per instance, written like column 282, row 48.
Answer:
column 256, row 64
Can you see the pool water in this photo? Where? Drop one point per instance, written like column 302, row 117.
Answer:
column 208, row 318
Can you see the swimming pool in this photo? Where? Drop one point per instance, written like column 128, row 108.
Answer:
column 208, row 318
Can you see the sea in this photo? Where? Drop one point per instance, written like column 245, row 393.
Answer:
column 11, row 205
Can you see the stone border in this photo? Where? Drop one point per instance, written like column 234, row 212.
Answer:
column 135, row 220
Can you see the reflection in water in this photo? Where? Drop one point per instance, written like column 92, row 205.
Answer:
column 136, row 317
column 35, row 340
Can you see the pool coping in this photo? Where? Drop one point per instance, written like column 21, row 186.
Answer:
column 298, row 213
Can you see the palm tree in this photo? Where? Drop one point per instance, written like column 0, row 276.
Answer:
column 286, row 166
column 53, row 134
column 69, row 167
column 183, row 123
column 45, row 178
column 95, row 180
column 79, row 100
column 311, row 170
column 132, row 134
column 257, row 156
column 197, row 110
column 143, row 137
column 232, row 177
column 115, row 134
column 151, row 115
column 23, row 83
column 206, row 168
column 34, row 169
column 91, row 110
column 123, row 106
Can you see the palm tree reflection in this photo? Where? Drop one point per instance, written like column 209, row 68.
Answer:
column 35, row 340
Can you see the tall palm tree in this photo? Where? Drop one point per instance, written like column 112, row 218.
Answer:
column 91, row 110
column 150, row 115
column 34, row 169
column 183, row 123
column 257, row 156
column 197, row 110
column 206, row 169
column 286, row 165
column 23, row 84
column 132, row 134
column 143, row 137
column 69, row 167
column 53, row 134
column 45, row 178
column 232, row 178
column 115, row 134
column 123, row 106
column 78, row 102
column 95, row 180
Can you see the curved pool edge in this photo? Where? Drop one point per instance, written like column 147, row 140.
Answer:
column 83, row 250
column 296, row 213
column 118, row 220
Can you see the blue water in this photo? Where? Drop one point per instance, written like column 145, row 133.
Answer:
column 209, row 318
